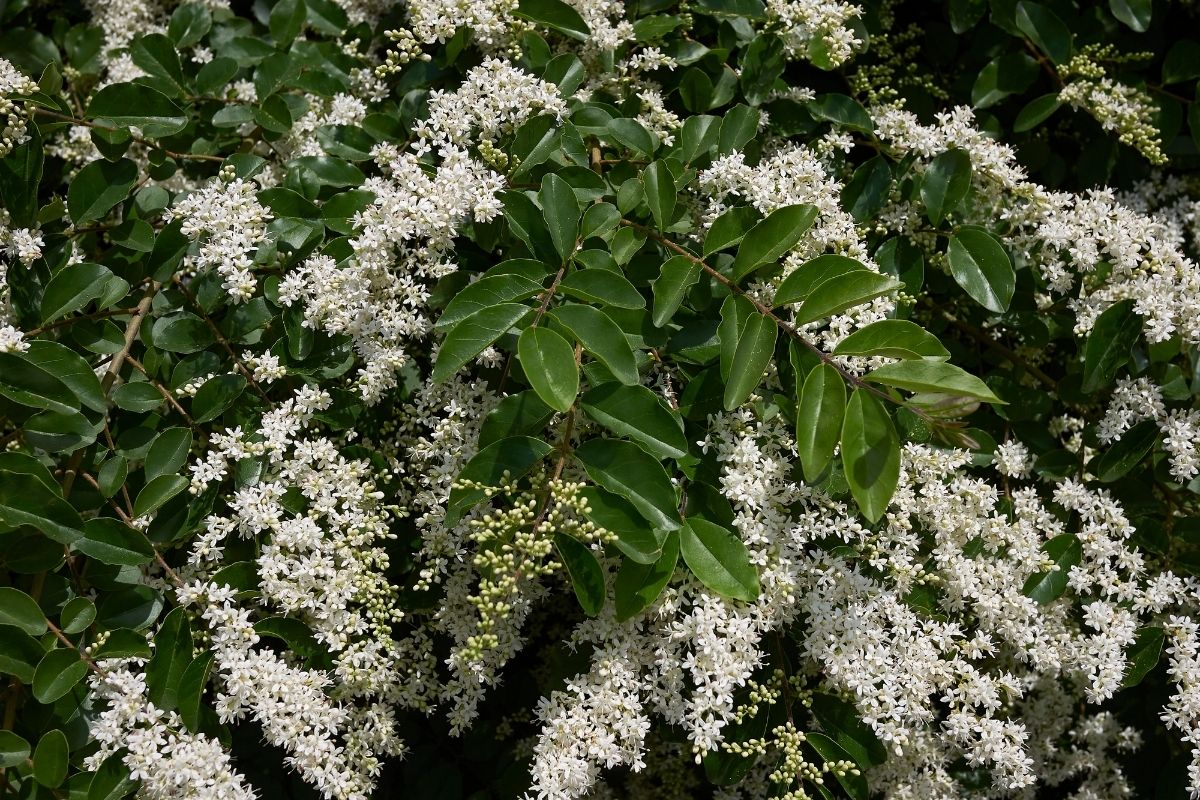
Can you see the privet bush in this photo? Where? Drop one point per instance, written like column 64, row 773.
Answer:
column 554, row 399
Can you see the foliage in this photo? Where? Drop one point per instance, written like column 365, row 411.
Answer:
column 728, row 398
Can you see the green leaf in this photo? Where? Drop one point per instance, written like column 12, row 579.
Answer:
column 487, row 291
column 738, row 126
column 21, row 611
column 77, row 615
column 1126, row 453
column 189, row 24
column 519, row 414
column 27, row 384
column 602, row 338
column 637, row 413
column 125, row 105
column 638, row 585
column 982, row 268
column 635, row 538
column 191, row 688
column 660, row 193
column 25, row 500
column 216, row 395
column 286, row 21
column 819, row 415
column 755, row 347
column 70, row 368
column 629, row 471
column 870, row 454
column 852, row 781
column 602, row 286
column 272, row 115
column 633, row 135
column 1182, row 62
column 1064, row 551
column 111, row 541
column 841, row 722
column 844, row 292
column 474, row 334
column 515, row 456
column 945, row 183
column 1010, row 73
column 801, row 282
column 168, row 453
column 58, row 673
column 98, row 187
column 1109, row 344
column 767, row 241
column 111, row 780
column 330, row 171
column 892, row 338
column 19, row 652
column 932, row 376
column 1134, row 13
column 560, row 209
column 182, row 333
column 587, row 576
column 599, row 220
column 735, row 311
column 1045, row 29
column 1143, row 655
column 172, row 655
column 549, row 363
column 157, row 492
column 137, row 396
column 718, row 558
column 556, row 15
column 676, row 278
column 123, row 643
column 111, row 475
column 50, row 758
column 842, row 110
column 20, row 176
column 729, row 229
column 868, row 189
column 13, row 749
column 155, row 54
column 1036, row 112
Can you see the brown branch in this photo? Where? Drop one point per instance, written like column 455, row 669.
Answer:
column 138, row 139
column 166, row 393
column 1008, row 354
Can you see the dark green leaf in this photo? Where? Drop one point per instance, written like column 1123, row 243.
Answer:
column 819, row 415
column 1036, row 112
column 77, row 615
column 216, row 395
column 157, row 492
column 1064, row 551
column 718, row 559
column 892, row 338
column 487, row 291
column 945, row 183
column 1134, row 13
column 604, row 287
column 58, row 673
column 1045, row 29
column 98, row 187
column 639, row 414
column 633, row 135
column 629, row 471
column 829, row 750
column 111, row 541
column 870, row 454
column 549, row 363
column 191, row 688
column 111, row 780
column 932, row 376
column 678, row 275
column 729, row 229
column 21, row 611
column 286, row 21
column 172, row 655
column 755, row 347
column 560, row 209
column 982, row 268
column 25, row 500
column 50, row 759
column 587, row 577
column 841, row 110
column 168, row 453
column 155, row 54
column 124, row 105
column 189, row 23
column 556, row 15
column 841, row 722
column 738, row 126
column 1108, row 345
column 638, row 585
column 801, row 282
column 1008, row 74
column 1126, row 453
column 868, row 189
column 13, row 749
column 767, row 241
column 843, row 292
column 515, row 456
column 1143, row 655
column 659, row 186
column 473, row 335
column 635, row 538
column 602, row 338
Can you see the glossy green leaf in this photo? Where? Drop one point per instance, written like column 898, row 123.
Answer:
column 718, row 558
column 58, row 673
column 21, row 611
column 932, row 376
column 635, row 538
column 801, row 282
column 24, row 382
column 98, row 187
column 892, row 338
column 602, row 338
column 25, row 500
column 587, row 577
column 945, row 183
column 157, row 492
column 1064, row 551
column 639, row 414
column 842, row 293
column 1004, row 75
column 123, row 105
column 1036, row 112
column 50, row 759
column 602, row 286
column 474, row 334
column 111, row 780
column 189, row 23
column 868, row 189
column 675, row 279
column 549, row 363
column 729, row 229
column 840, row 720
column 216, row 395
column 767, row 241
column 1134, row 13
column 633, row 135
column 111, row 541
column 487, row 291
column 660, row 193
column 1045, row 29
column 638, row 585
column 841, row 110
column 77, row 615
column 155, row 54
column 556, row 15
column 1109, row 344
column 819, row 414
column 515, row 456
column 172, row 655
column 755, row 347
column 870, row 454
column 13, row 749
column 630, row 472
column 1126, row 453
column 168, row 453
column 286, row 20
column 560, row 209
column 1143, row 655
column 982, row 268
column 191, row 688
column 852, row 782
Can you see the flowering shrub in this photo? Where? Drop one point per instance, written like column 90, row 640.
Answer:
column 543, row 399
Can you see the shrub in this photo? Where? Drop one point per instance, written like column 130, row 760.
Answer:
column 541, row 399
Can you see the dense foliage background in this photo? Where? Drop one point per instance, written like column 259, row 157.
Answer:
column 493, row 399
